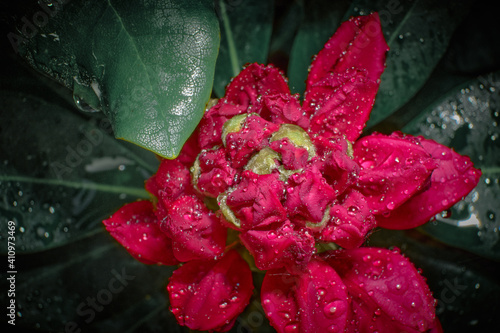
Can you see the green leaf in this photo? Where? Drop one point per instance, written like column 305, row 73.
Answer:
column 245, row 35
column 286, row 23
column 321, row 20
column 91, row 285
column 56, row 175
column 467, row 119
column 418, row 33
column 148, row 66
column 439, row 84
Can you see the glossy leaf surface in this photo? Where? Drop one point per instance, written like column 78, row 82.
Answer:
column 53, row 183
column 149, row 67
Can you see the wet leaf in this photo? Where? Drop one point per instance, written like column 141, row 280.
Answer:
column 467, row 119
column 245, row 34
column 148, row 66
column 418, row 33
column 55, row 177
column 90, row 285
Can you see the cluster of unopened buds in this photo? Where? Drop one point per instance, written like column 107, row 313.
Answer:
column 266, row 183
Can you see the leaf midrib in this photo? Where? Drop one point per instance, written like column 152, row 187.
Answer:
column 401, row 24
column 137, row 192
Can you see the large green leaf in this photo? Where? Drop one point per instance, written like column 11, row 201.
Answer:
column 245, row 35
column 467, row 119
column 148, row 66
column 60, row 174
column 418, row 33
column 321, row 19
column 91, row 285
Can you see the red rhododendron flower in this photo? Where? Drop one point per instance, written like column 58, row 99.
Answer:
column 285, row 176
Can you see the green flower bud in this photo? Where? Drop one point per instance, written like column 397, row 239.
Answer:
column 264, row 162
column 233, row 125
column 297, row 136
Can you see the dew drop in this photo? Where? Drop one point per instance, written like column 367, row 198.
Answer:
column 271, row 234
column 332, row 328
column 422, row 327
column 291, row 328
column 334, row 309
column 82, row 105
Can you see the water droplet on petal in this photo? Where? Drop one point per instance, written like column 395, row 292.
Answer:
column 271, row 234
column 422, row 327
column 334, row 309
column 291, row 328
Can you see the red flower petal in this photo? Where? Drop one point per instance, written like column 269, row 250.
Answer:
column 388, row 294
column 136, row 228
column 337, row 167
column 195, row 230
column 279, row 246
column 172, row 178
column 209, row 295
column 454, row 177
column 292, row 157
column 243, row 91
column 256, row 201
column 349, row 223
column 341, row 103
column 307, row 197
column 252, row 137
column 393, row 168
column 190, row 150
column 211, row 124
column 253, row 81
column 311, row 301
column 214, row 175
column 284, row 108
column 357, row 43
column 344, row 78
